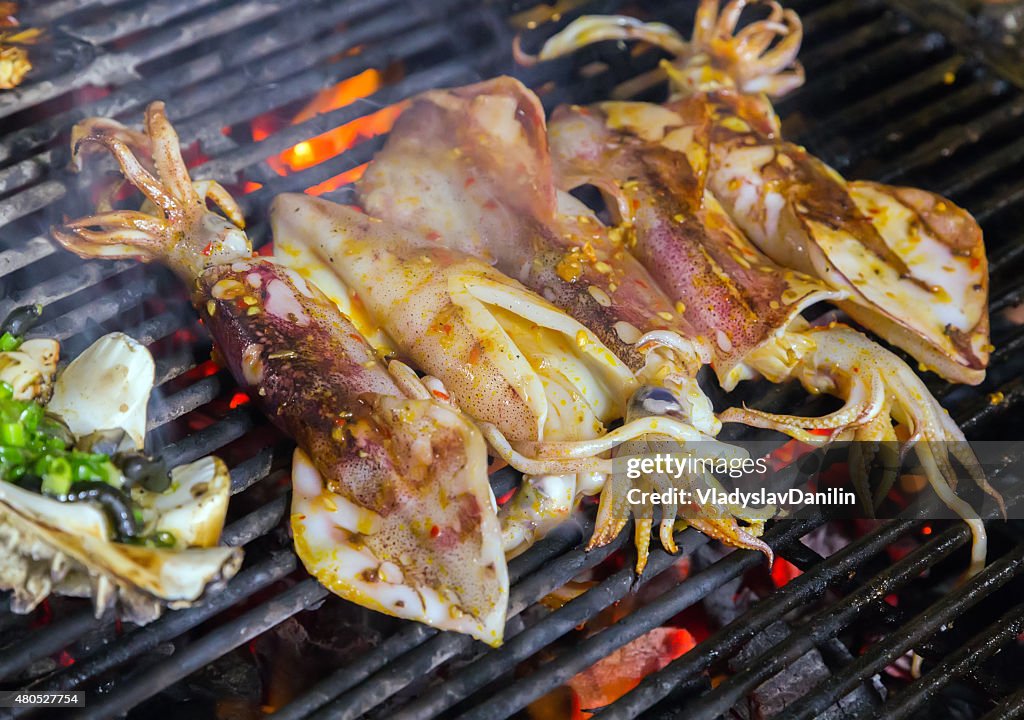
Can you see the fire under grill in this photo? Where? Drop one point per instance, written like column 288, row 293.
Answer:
column 897, row 91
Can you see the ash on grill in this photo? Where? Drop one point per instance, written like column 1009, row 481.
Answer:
column 285, row 95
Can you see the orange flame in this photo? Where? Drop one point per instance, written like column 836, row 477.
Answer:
column 612, row 677
column 332, row 143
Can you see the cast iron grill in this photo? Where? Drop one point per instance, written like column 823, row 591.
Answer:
column 889, row 97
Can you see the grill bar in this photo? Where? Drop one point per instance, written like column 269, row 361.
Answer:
column 252, row 579
column 953, row 138
column 454, row 72
column 1011, row 709
column 412, row 636
column 972, row 655
column 863, row 46
column 556, row 625
column 225, row 74
column 536, row 582
column 896, row 644
column 53, row 639
column 522, row 692
column 125, row 22
column 136, row 688
column 730, row 639
column 120, row 67
column 825, row 624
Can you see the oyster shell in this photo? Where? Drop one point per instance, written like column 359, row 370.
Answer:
column 69, row 548
column 66, row 548
column 106, row 387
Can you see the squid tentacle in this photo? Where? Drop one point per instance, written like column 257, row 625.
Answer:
column 759, row 58
column 845, row 362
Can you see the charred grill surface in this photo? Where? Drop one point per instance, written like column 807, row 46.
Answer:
column 895, row 93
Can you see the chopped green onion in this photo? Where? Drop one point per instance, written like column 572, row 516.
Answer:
column 31, row 416
column 57, row 476
column 163, row 539
column 13, row 434
column 12, row 455
column 9, row 342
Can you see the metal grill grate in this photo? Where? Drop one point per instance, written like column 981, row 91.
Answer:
column 888, row 98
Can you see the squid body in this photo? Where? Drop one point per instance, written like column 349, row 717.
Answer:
column 470, row 169
column 911, row 265
column 391, row 505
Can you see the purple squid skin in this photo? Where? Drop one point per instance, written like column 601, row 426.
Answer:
column 506, row 187
column 732, row 293
column 309, row 371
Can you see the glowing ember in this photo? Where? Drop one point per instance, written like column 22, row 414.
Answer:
column 330, row 144
column 783, row 571
column 612, row 677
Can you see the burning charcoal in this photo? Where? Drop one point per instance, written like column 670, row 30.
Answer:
column 229, row 688
column 234, row 675
column 610, row 678
column 772, row 696
column 727, row 601
column 300, row 651
column 827, row 539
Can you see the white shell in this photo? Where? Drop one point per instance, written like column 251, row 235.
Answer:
column 65, row 548
column 47, row 546
column 106, row 387
column 194, row 507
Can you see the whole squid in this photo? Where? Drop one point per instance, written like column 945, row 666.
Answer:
column 391, row 506
column 911, row 264
column 649, row 162
column 469, row 169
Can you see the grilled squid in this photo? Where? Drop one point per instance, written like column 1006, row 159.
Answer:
column 543, row 387
column 83, row 540
column 650, row 163
column 470, row 169
column 911, row 265
column 518, row 365
column 391, row 506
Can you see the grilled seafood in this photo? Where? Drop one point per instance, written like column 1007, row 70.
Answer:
column 469, row 169
column 911, row 264
column 541, row 386
column 391, row 506
column 508, row 358
column 66, row 508
column 649, row 162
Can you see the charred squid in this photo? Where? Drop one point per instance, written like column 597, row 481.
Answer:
column 391, row 507
column 470, row 169
column 649, row 161
column 911, row 264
